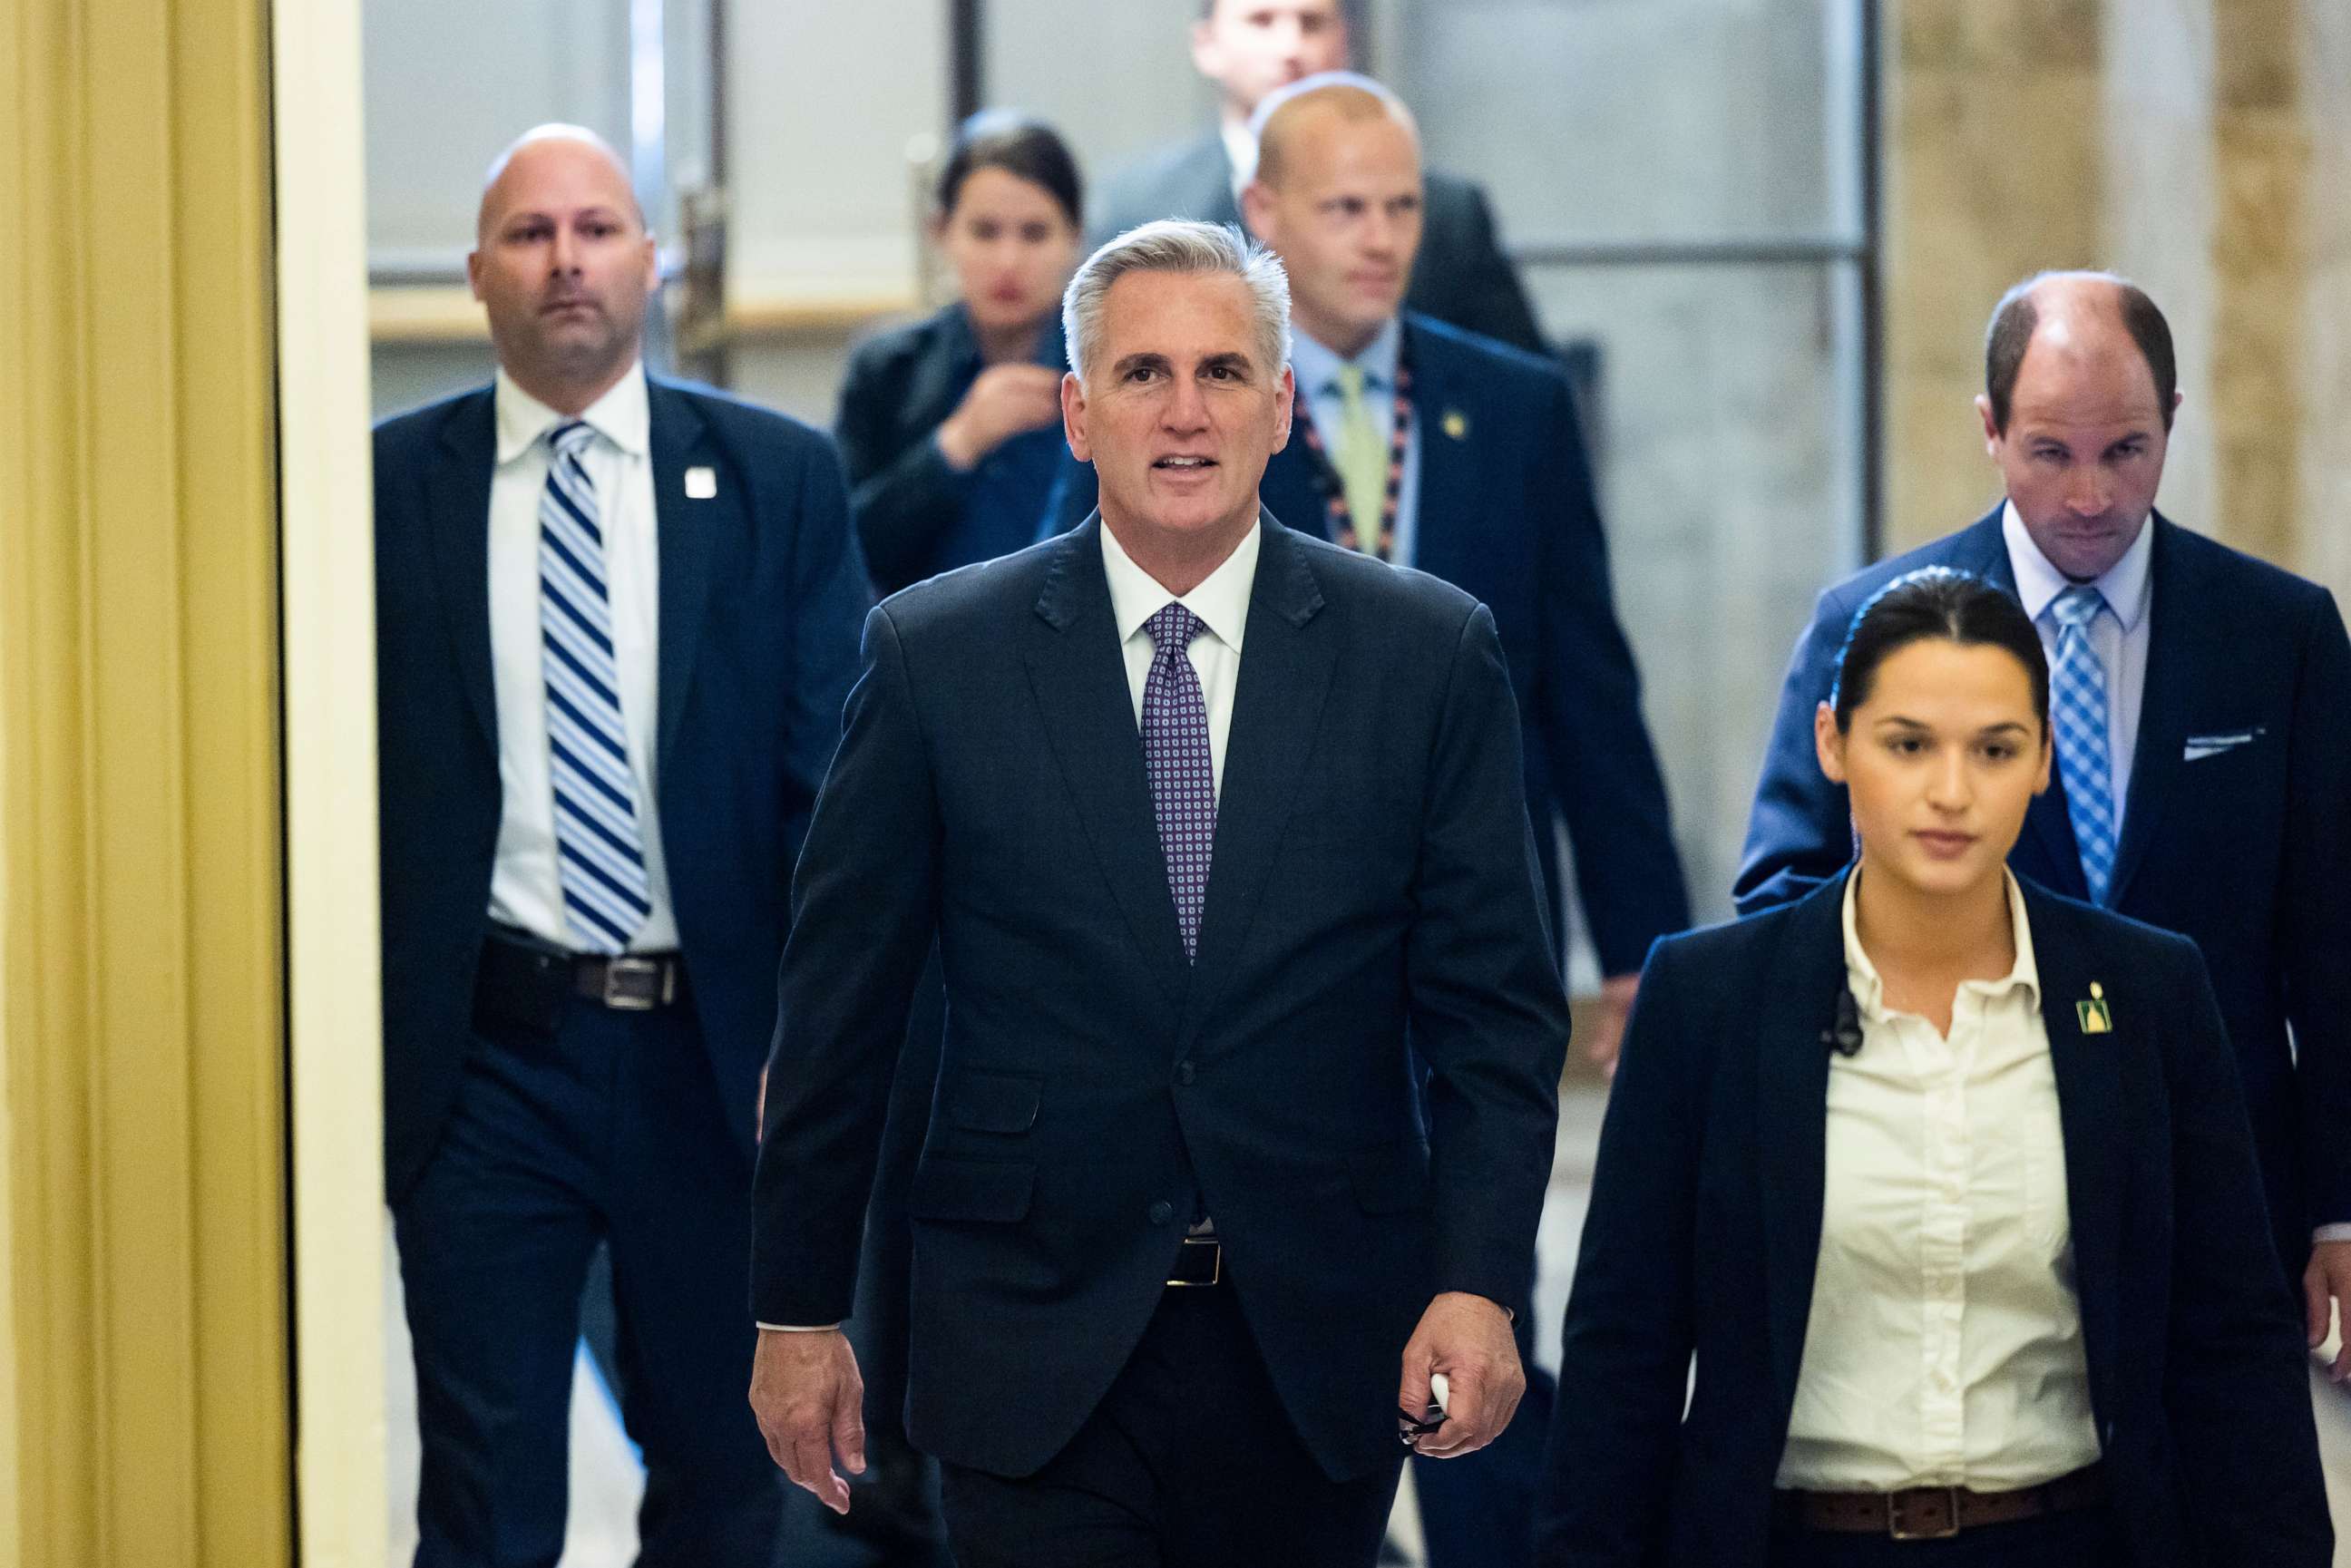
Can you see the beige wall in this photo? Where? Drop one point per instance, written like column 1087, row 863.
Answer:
column 2201, row 146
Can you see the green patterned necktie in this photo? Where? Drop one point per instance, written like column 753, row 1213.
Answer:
column 1361, row 459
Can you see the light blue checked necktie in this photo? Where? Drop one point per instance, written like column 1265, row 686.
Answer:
column 599, row 852
column 2077, row 694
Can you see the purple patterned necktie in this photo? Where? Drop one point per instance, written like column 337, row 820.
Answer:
column 1175, row 755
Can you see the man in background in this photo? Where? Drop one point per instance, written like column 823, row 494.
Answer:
column 616, row 622
column 1250, row 47
column 2198, row 699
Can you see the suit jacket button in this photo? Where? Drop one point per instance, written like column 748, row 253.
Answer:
column 1183, row 1073
column 1160, row 1213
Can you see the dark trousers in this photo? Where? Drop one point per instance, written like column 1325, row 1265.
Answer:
column 2086, row 1538
column 610, row 1128
column 1188, row 1460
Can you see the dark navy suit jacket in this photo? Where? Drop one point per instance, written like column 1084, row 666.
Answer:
column 2246, row 847
column 1704, row 1229
column 1372, row 871
column 1462, row 277
column 761, row 592
column 1506, row 513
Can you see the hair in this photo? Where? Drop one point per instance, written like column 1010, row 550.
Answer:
column 1354, row 98
column 1020, row 144
column 2017, row 317
column 1174, row 245
column 1942, row 603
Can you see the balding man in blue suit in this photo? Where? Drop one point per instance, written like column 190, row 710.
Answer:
column 616, row 622
column 2204, row 766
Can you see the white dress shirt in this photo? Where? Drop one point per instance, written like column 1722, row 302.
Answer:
column 526, row 888
column 1944, row 1346
column 2118, row 633
column 1221, row 601
column 1240, row 152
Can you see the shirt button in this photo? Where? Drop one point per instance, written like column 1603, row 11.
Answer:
column 1183, row 1073
column 1160, row 1213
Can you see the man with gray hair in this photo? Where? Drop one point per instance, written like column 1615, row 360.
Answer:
column 1203, row 816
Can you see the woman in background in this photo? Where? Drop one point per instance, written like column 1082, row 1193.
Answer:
column 951, row 428
column 1946, row 1184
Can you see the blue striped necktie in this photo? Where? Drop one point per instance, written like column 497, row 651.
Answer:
column 599, row 852
column 2077, row 699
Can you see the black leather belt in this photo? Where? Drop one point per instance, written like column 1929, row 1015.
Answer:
column 1199, row 1261
column 1932, row 1513
column 524, row 982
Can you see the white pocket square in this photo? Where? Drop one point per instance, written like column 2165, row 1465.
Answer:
column 2202, row 746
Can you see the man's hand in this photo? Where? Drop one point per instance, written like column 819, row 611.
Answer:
column 811, row 1405
column 1467, row 1338
column 1608, row 1030
column 2326, row 1281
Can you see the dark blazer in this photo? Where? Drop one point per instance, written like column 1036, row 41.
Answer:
column 1705, row 1228
column 1096, row 1091
column 761, row 590
column 1506, row 513
column 1462, row 277
column 2246, row 849
column 899, row 389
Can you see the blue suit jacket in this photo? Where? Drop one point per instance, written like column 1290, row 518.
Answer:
column 1506, row 513
column 761, row 592
column 2246, row 849
column 1373, row 873
column 1705, row 1230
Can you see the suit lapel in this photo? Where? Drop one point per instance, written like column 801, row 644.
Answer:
column 1448, row 463
column 1207, row 180
column 458, row 513
column 1792, row 1086
column 2091, row 1110
column 686, row 529
column 1079, row 675
column 2175, row 667
column 1289, row 652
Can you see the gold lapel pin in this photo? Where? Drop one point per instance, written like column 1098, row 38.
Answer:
column 1456, row 423
column 2096, row 1018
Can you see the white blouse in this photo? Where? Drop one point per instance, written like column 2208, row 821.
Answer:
column 1944, row 1346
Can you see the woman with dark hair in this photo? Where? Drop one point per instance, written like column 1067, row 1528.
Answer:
column 1946, row 1185
column 951, row 428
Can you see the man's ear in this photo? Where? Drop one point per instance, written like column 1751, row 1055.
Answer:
column 1991, row 426
column 1073, row 417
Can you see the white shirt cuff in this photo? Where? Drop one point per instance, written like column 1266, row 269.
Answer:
column 2331, row 1233
column 817, row 1327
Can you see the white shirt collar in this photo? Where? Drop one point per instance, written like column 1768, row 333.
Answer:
column 1240, row 152
column 1221, row 601
column 1869, row 988
column 620, row 416
column 2125, row 586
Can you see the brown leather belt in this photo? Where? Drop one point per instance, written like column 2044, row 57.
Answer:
column 1932, row 1513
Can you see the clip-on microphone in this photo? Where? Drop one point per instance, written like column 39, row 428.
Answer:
column 1844, row 1036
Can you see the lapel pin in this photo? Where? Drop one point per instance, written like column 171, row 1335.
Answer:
column 1456, row 423
column 2096, row 1018
column 701, row 483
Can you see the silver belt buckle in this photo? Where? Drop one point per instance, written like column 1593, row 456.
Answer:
column 1950, row 1520
column 624, row 967
column 1216, row 1264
